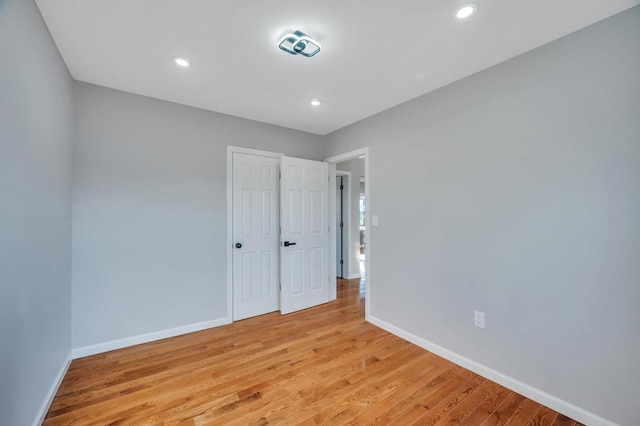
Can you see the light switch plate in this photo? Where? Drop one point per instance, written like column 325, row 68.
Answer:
column 478, row 319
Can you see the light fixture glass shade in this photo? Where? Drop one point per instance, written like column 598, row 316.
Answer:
column 298, row 43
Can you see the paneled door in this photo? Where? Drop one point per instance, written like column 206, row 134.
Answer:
column 255, row 232
column 304, row 239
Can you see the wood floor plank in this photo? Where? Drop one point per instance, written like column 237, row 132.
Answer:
column 563, row 420
column 544, row 417
column 452, row 401
column 487, row 407
column 375, row 413
column 450, row 388
column 524, row 413
column 464, row 409
column 311, row 403
column 323, row 365
column 505, row 410
column 365, row 391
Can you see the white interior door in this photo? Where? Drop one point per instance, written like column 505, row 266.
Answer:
column 304, row 239
column 255, row 235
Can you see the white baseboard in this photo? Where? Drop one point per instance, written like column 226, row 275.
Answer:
column 354, row 276
column 515, row 385
column 146, row 338
column 44, row 408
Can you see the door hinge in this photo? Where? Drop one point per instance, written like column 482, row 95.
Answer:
column 341, row 187
column 279, row 175
column 341, row 225
column 280, row 286
column 341, row 262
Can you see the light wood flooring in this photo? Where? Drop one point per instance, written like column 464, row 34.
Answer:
column 324, row 365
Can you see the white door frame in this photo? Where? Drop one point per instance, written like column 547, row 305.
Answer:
column 358, row 153
column 230, row 151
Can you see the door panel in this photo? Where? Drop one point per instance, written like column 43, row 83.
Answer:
column 304, row 219
column 255, row 227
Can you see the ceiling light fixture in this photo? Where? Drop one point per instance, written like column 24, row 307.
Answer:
column 298, row 43
column 316, row 102
column 466, row 10
column 183, row 62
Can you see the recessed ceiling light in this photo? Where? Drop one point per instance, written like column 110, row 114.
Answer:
column 183, row 62
column 466, row 10
column 316, row 102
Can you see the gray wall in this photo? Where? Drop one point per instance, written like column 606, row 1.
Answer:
column 149, row 211
column 516, row 191
column 35, row 212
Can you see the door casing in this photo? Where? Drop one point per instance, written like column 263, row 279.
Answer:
column 358, row 153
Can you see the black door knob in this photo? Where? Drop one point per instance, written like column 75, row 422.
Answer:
column 238, row 245
column 287, row 244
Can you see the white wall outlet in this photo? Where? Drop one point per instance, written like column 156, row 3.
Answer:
column 478, row 319
column 374, row 219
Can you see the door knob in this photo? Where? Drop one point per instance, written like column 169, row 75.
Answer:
column 287, row 244
column 238, row 245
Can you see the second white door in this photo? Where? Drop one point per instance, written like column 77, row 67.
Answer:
column 304, row 239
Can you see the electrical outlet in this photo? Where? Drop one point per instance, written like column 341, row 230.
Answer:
column 374, row 219
column 478, row 319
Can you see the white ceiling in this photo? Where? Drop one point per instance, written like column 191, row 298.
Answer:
column 375, row 53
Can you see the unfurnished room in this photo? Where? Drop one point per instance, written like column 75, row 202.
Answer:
column 319, row 212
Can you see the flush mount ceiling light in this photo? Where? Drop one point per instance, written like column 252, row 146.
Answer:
column 298, row 43
column 183, row 62
column 316, row 102
column 466, row 10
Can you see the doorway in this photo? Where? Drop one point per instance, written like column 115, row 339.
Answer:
column 362, row 216
column 354, row 164
column 351, row 246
